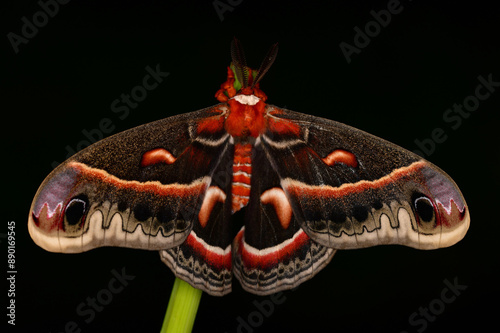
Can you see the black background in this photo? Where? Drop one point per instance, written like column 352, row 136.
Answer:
column 398, row 87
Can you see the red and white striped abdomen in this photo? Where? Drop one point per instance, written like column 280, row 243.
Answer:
column 242, row 173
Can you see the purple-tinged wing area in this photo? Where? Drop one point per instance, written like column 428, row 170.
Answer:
column 80, row 208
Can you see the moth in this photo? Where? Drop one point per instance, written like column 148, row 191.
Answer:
column 302, row 186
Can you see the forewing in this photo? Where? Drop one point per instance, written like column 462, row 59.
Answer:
column 142, row 188
column 350, row 189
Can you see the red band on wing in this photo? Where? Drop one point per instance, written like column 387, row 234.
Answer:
column 297, row 188
column 158, row 155
column 341, row 156
column 196, row 188
column 268, row 257
column 214, row 256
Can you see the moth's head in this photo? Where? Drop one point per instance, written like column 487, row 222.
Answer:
column 241, row 79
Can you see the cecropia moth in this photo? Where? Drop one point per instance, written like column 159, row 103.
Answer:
column 304, row 187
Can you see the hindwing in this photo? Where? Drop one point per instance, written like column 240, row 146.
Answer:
column 272, row 252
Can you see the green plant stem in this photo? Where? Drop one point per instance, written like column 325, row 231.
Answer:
column 182, row 308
